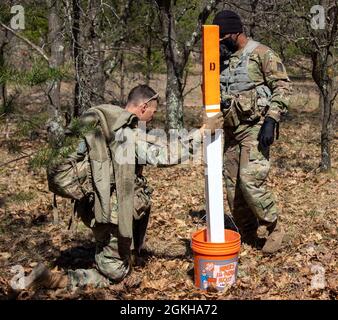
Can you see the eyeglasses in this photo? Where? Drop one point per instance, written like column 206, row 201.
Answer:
column 155, row 96
column 227, row 36
column 152, row 98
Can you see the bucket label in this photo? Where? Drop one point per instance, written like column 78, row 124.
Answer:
column 217, row 273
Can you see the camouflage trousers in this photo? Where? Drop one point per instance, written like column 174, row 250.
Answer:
column 110, row 267
column 246, row 168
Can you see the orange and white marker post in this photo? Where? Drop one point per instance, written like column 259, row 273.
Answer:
column 213, row 147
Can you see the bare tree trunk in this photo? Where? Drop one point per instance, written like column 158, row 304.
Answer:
column 88, row 56
column 327, row 97
column 122, row 78
column 5, row 37
column 55, row 125
column 77, row 56
column 148, row 59
column 318, row 74
column 149, row 43
column 124, row 16
column 325, row 80
column 174, row 97
column 3, row 89
column 325, row 135
column 3, row 95
column 94, row 56
column 175, row 66
column 323, row 61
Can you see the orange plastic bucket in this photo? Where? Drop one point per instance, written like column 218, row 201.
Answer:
column 215, row 264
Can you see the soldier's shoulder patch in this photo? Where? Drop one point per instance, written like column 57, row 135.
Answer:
column 266, row 54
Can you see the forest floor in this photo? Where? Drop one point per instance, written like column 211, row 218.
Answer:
column 307, row 200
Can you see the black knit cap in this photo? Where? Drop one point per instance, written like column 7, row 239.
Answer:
column 228, row 22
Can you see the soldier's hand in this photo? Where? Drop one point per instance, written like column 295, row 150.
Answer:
column 213, row 123
column 267, row 133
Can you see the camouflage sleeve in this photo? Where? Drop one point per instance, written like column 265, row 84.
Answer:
column 278, row 81
column 161, row 150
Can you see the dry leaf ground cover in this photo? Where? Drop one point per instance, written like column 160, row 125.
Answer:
column 307, row 200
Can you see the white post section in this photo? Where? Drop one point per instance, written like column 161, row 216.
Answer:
column 213, row 149
column 214, row 187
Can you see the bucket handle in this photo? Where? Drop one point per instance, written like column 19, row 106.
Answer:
column 228, row 216
column 232, row 221
column 199, row 226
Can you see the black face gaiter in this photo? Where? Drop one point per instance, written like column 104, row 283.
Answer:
column 224, row 51
column 230, row 44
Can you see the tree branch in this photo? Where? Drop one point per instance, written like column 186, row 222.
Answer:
column 193, row 88
column 17, row 159
column 34, row 46
column 203, row 16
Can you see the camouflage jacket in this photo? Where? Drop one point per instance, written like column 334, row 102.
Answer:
column 101, row 146
column 267, row 73
column 117, row 150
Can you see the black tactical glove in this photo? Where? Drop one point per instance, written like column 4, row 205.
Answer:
column 267, row 132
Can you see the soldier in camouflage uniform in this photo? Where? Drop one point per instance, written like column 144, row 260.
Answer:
column 113, row 263
column 110, row 265
column 254, row 95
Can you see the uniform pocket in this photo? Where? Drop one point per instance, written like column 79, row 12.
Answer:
column 142, row 203
column 230, row 116
column 259, row 165
column 258, row 153
column 246, row 105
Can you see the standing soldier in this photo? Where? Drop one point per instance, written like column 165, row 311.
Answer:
column 254, row 95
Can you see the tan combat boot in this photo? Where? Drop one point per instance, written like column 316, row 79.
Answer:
column 274, row 241
column 41, row 276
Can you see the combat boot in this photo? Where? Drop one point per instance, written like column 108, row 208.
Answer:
column 137, row 260
column 41, row 276
column 274, row 241
column 253, row 240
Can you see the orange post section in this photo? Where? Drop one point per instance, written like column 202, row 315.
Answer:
column 211, row 68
